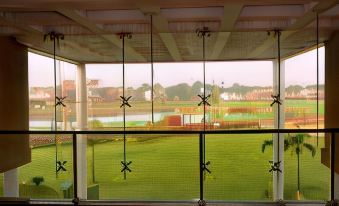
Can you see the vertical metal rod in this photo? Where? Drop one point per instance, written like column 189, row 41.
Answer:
column 204, row 71
column 123, row 94
column 279, row 90
column 152, row 71
column 55, row 108
column 332, row 164
column 75, row 168
column 317, row 78
column 201, row 163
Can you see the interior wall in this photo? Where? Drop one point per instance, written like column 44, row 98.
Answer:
column 14, row 104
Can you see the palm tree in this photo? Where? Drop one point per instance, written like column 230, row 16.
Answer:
column 296, row 143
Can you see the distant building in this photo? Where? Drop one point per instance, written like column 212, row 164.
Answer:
column 229, row 96
column 259, row 94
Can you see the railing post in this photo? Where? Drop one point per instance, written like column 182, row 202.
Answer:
column 332, row 164
column 201, row 170
column 75, row 170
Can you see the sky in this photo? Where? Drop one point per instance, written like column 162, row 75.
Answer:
column 298, row 70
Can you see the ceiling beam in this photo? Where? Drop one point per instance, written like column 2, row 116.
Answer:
column 96, row 29
column 33, row 37
column 299, row 24
column 42, row 5
column 22, row 27
column 160, row 23
column 231, row 14
column 311, row 15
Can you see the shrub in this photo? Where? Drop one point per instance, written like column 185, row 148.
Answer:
column 38, row 180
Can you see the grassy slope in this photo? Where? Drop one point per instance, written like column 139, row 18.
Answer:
column 167, row 169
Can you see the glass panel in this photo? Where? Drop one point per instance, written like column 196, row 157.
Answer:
column 301, row 93
column 41, row 92
column 161, row 169
column 313, row 176
column 239, row 168
column 40, row 179
column 138, row 86
column 104, row 90
column 176, row 102
column 66, row 110
column 238, row 100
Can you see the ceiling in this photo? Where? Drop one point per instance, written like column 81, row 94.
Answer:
column 239, row 28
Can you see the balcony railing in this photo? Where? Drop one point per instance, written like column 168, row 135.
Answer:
column 179, row 166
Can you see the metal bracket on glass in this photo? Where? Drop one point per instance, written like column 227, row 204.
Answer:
column 275, row 166
column 332, row 203
column 205, row 167
column 54, row 36
column 276, row 99
column 76, row 200
column 203, row 32
column 281, row 202
column 125, row 101
column 274, row 32
column 61, row 166
column 125, row 166
column 60, row 101
column 204, row 100
column 125, row 35
column 201, row 202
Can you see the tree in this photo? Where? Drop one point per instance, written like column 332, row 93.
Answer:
column 159, row 92
column 296, row 144
column 182, row 91
column 296, row 89
column 215, row 94
column 196, row 88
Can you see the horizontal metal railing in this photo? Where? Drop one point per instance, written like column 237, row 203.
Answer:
column 74, row 134
column 239, row 131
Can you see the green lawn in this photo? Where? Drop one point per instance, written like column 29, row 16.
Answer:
column 167, row 168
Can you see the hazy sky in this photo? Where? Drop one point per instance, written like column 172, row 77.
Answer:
column 299, row 70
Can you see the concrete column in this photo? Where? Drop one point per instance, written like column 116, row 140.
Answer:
column 14, row 107
column 11, row 184
column 81, row 112
column 278, row 149
column 331, row 103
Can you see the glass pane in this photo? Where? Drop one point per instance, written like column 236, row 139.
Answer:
column 301, row 93
column 238, row 100
column 66, row 109
column 40, row 179
column 104, row 84
column 176, row 102
column 239, row 168
column 41, row 92
column 161, row 169
column 138, row 86
column 313, row 180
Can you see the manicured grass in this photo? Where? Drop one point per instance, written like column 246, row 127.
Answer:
column 167, row 168
column 43, row 164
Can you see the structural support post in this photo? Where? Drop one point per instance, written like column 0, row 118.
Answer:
column 279, row 118
column 81, row 114
column 14, row 112
column 331, row 107
column 11, row 183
